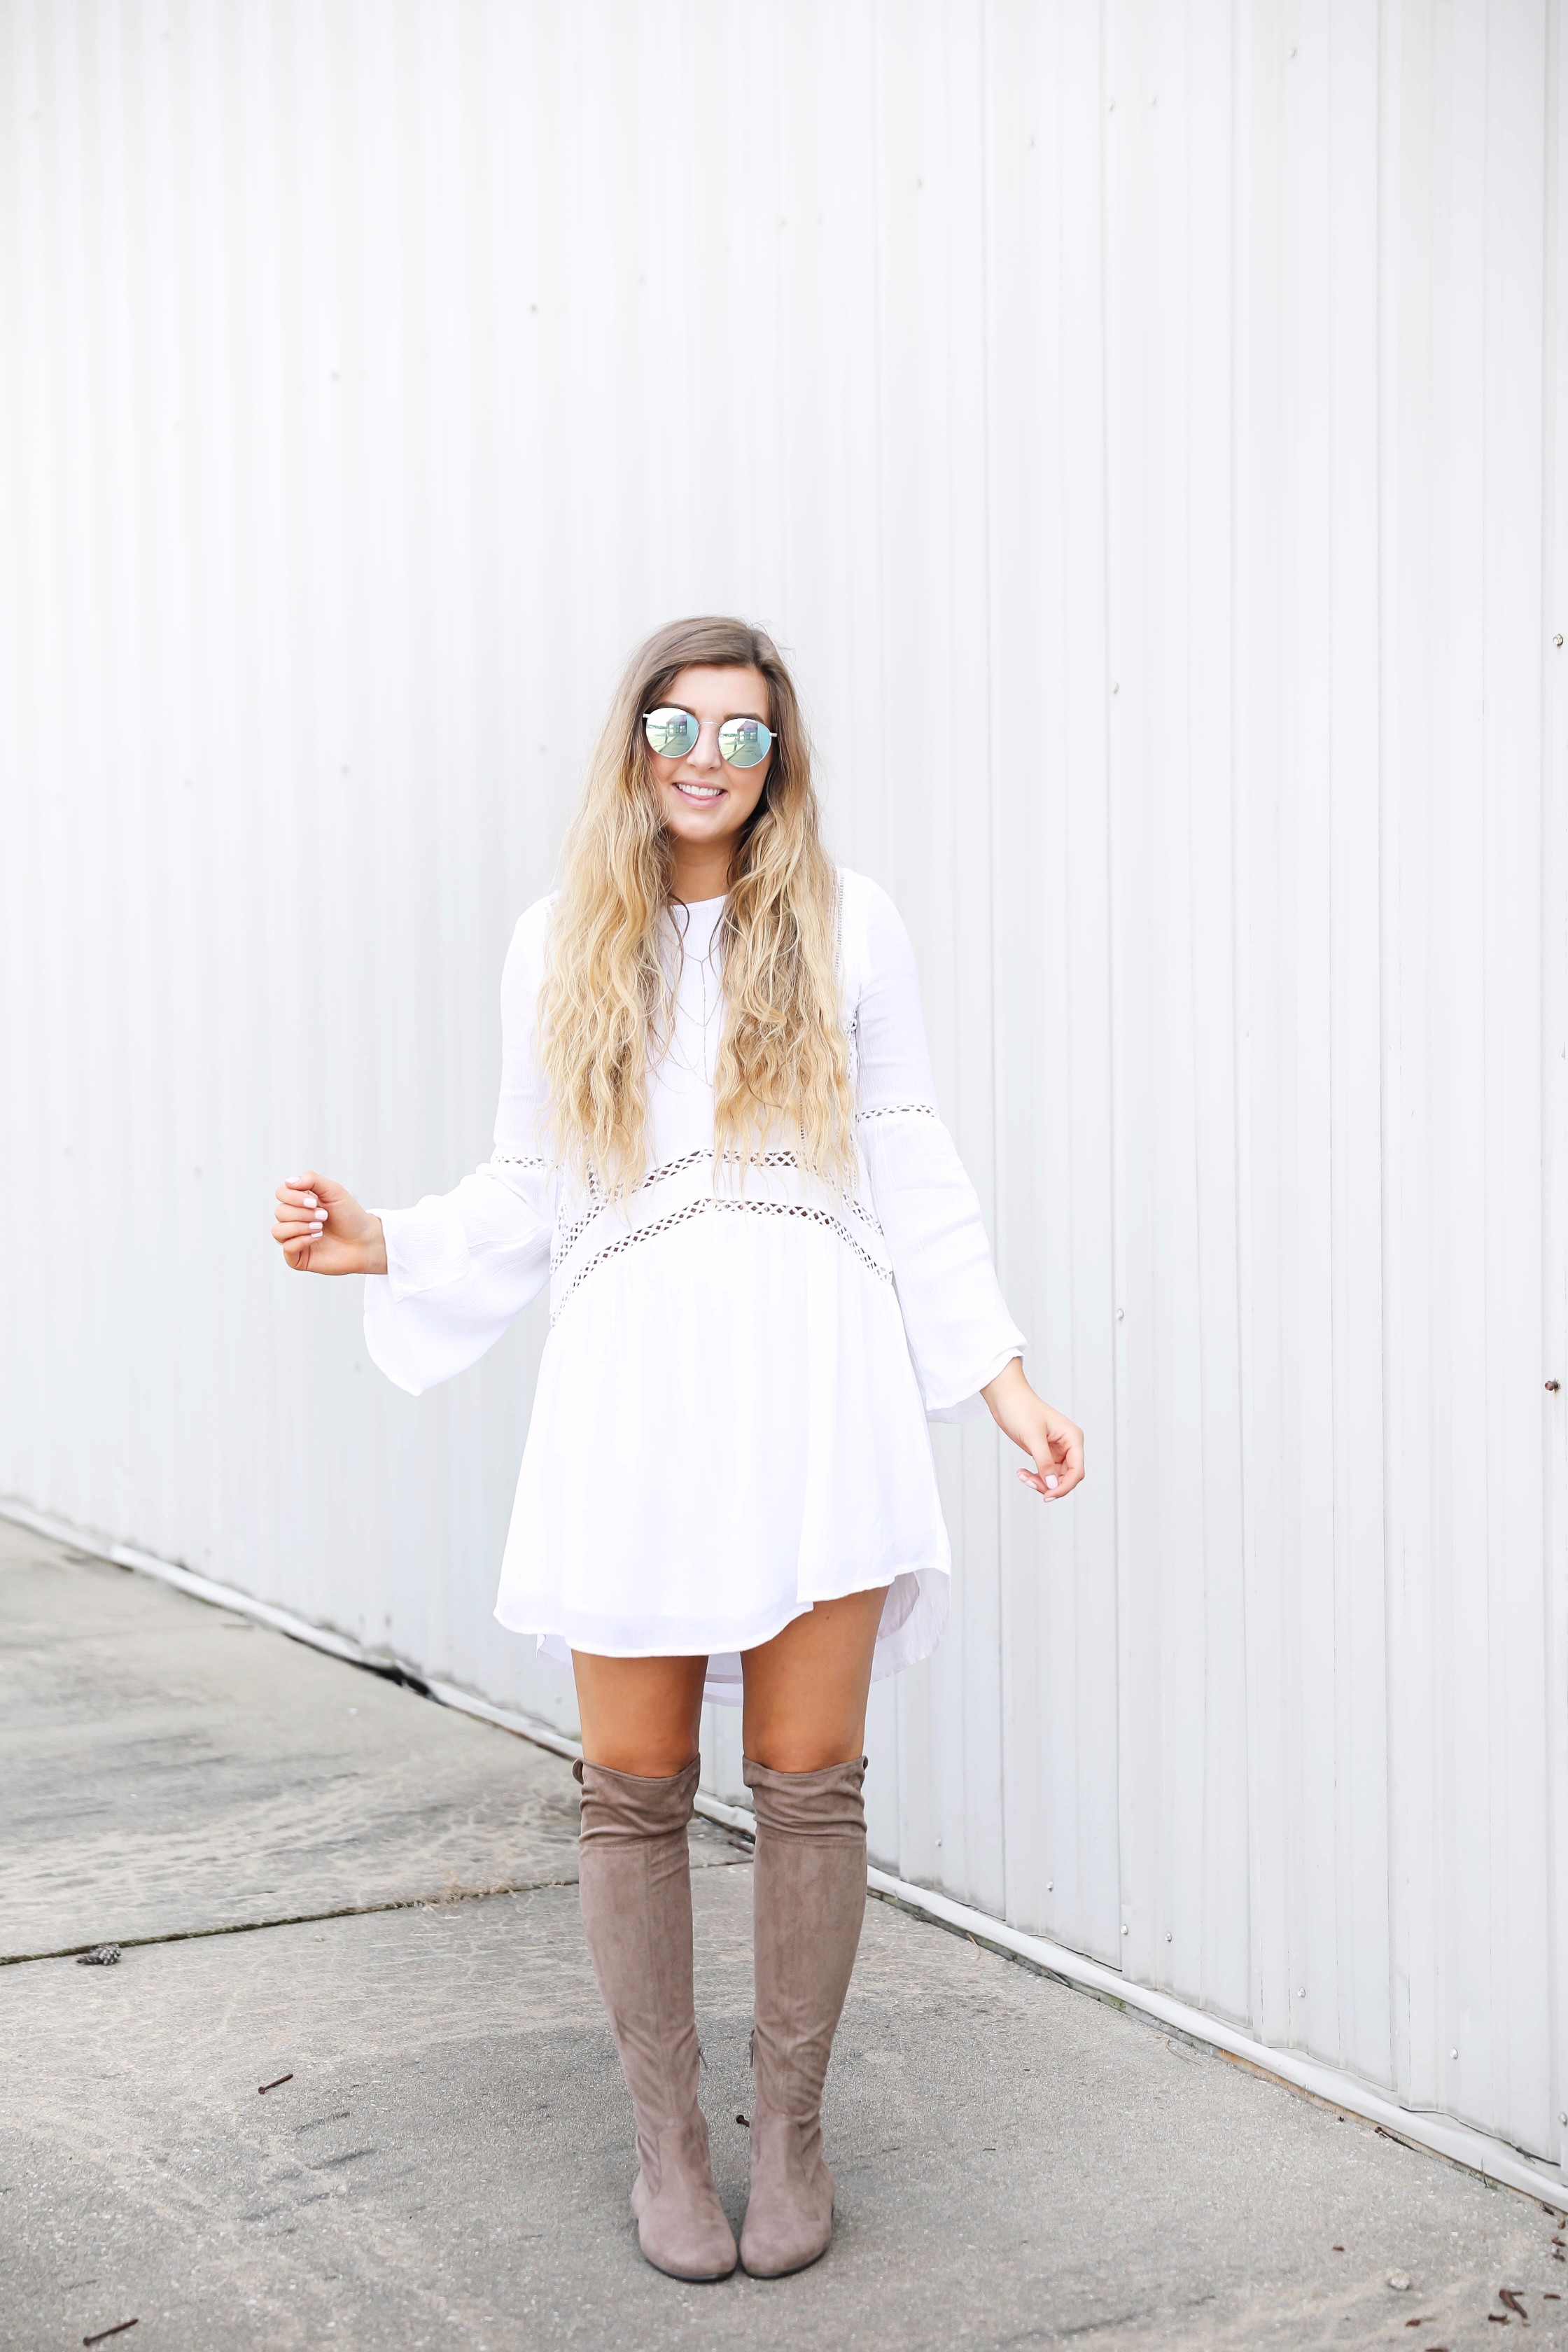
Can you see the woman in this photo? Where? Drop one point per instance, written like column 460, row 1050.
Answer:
column 717, row 1138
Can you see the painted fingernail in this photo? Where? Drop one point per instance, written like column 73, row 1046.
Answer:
column 1050, row 1482
column 310, row 1201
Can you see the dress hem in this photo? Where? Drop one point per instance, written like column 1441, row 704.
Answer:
column 724, row 1644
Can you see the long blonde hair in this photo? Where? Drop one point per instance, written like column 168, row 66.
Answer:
column 605, row 1006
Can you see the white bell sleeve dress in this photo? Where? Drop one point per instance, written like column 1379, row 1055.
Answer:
column 729, row 1422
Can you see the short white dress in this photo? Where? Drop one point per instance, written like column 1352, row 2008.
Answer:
column 730, row 1421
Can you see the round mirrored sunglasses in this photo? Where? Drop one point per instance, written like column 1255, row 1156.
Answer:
column 673, row 734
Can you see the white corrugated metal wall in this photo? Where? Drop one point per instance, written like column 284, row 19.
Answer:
column 1142, row 422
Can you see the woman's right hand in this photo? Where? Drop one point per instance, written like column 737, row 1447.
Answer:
column 322, row 1229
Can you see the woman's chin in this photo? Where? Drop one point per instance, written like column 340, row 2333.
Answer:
column 699, row 825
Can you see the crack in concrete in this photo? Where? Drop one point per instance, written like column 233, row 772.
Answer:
column 309, row 1918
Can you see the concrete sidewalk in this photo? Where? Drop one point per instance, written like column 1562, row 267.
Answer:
column 1018, row 2164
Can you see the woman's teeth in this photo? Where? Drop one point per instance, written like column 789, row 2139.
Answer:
column 701, row 791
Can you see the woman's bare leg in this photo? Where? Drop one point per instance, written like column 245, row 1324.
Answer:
column 639, row 1714
column 806, row 1690
column 806, row 1696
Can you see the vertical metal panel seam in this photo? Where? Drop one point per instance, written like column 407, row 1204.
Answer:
column 998, row 1472
column 1241, row 882
column 878, row 397
column 1388, row 1123
column 1554, row 1332
column 1113, row 1023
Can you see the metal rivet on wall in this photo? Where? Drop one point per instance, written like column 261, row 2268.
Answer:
column 1557, row 641
column 1453, row 2054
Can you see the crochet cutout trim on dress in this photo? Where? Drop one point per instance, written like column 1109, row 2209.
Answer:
column 568, row 1233
column 721, row 1204
column 896, row 1110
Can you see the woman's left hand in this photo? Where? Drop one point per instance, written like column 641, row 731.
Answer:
column 1054, row 1443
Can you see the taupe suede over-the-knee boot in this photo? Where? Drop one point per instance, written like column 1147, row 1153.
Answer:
column 635, row 1891
column 808, row 1900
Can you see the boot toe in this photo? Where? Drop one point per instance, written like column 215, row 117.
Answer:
column 681, row 2227
column 688, row 2239
column 789, row 2216
column 772, row 2245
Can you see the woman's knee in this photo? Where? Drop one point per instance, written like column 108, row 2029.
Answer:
column 795, row 1748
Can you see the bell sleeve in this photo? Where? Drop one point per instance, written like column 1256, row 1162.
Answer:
column 959, row 1333
column 461, row 1265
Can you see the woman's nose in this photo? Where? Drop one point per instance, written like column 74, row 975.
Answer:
column 705, row 752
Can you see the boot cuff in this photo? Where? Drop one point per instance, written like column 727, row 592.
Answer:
column 625, row 1804
column 825, row 1804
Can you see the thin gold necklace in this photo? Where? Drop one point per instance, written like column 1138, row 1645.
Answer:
column 704, row 965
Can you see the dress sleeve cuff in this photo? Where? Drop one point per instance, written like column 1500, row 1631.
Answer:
column 969, row 1404
column 384, row 1339
column 427, row 1247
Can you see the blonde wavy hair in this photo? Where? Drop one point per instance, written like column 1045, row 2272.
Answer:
column 606, row 1005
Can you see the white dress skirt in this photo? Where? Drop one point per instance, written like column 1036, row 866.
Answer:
column 729, row 1422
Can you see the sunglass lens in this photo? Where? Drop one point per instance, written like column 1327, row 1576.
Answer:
column 744, row 741
column 671, row 733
